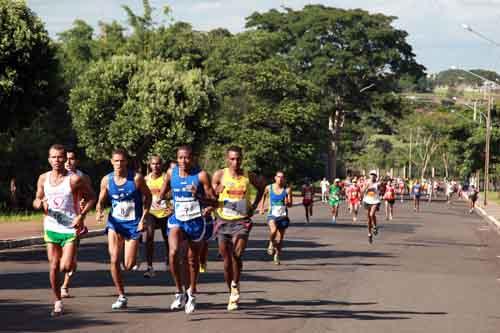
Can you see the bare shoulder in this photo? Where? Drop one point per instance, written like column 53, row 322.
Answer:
column 218, row 174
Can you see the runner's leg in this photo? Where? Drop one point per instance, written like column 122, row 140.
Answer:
column 175, row 240
column 272, row 237
column 226, row 250
column 115, row 245
column 54, row 253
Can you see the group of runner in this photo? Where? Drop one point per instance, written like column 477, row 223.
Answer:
column 190, row 207
column 185, row 202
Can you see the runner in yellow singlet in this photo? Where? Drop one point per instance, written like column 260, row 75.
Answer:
column 159, row 213
column 232, row 185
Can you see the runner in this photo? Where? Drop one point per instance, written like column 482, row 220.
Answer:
column 158, row 214
column 417, row 192
column 234, row 223
column 371, row 201
column 354, row 197
column 192, row 194
column 57, row 193
column 390, row 199
column 401, row 185
column 473, row 195
column 308, row 196
column 325, row 185
column 71, row 165
column 280, row 197
column 334, row 199
column 130, row 203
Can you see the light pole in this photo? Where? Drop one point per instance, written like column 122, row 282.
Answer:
column 488, row 130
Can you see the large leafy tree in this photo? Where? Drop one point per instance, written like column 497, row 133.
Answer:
column 143, row 106
column 344, row 52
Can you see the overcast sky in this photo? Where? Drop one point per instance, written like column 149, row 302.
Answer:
column 434, row 26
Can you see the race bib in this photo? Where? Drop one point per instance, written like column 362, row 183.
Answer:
column 235, row 208
column 278, row 211
column 61, row 218
column 187, row 210
column 307, row 195
column 124, row 210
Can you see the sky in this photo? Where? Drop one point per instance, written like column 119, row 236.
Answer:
column 434, row 26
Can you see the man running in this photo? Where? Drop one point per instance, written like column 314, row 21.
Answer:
column 390, row 199
column 130, row 203
column 57, row 194
column 371, row 201
column 417, row 192
column 280, row 197
column 158, row 214
column 71, row 165
column 308, row 196
column 334, row 199
column 473, row 194
column 191, row 192
column 232, row 185
column 325, row 185
column 354, row 197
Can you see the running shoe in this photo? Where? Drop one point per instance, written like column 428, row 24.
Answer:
column 270, row 249
column 179, row 301
column 150, row 272
column 203, row 268
column 370, row 238
column 334, row 220
column 121, row 303
column 471, row 210
column 64, row 292
column 375, row 231
column 235, row 293
column 58, row 309
column 354, row 219
column 190, row 304
column 136, row 267
column 277, row 259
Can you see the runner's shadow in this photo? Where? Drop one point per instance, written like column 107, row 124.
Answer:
column 263, row 309
column 30, row 317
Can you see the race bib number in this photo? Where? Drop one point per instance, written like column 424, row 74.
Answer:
column 235, row 208
column 278, row 211
column 371, row 194
column 187, row 210
column 61, row 218
column 124, row 210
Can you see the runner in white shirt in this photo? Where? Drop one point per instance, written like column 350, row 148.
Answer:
column 325, row 185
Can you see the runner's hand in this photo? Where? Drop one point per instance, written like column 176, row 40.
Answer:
column 39, row 203
column 140, row 226
column 219, row 189
column 207, row 211
column 99, row 215
column 77, row 222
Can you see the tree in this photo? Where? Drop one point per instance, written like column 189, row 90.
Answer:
column 143, row 106
column 27, row 65
column 343, row 52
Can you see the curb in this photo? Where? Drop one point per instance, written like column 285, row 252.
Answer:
column 38, row 240
column 484, row 214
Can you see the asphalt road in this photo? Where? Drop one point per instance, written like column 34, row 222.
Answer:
column 433, row 271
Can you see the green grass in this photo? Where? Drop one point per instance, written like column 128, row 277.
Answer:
column 492, row 197
column 12, row 217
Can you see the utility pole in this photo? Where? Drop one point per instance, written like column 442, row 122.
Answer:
column 487, row 153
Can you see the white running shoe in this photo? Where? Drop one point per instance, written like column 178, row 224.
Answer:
column 121, row 303
column 190, row 304
column 334, row 220
column 179, row 301
column 150, row 272
column 58, row 309
column 64, row 292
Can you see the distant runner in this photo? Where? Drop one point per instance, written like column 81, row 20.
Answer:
column 473, row 194
column 325, row 185
column 354, row 197
column 308, row 196
column 334, row 199
column 417, row 192
column 390, row 199
column 371, row 201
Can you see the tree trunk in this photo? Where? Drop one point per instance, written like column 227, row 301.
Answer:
column 446, row 165
column 335, row 123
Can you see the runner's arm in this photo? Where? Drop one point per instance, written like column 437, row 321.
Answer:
column 103, row 195
column 82, row 186
column 259, row 184
column 166, row 184
column 40, row 202
column 217, row 182
column 289, row 197
column 262, row 201
column 210, row 198
column 146, row 194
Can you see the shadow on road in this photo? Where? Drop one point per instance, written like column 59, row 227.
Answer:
column 29, row 317
column 264, row 309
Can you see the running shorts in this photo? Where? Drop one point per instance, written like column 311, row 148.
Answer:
column 126, row 230
column 58, row 238
column 226, row 230
column 194, row 230
column 282, row 222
